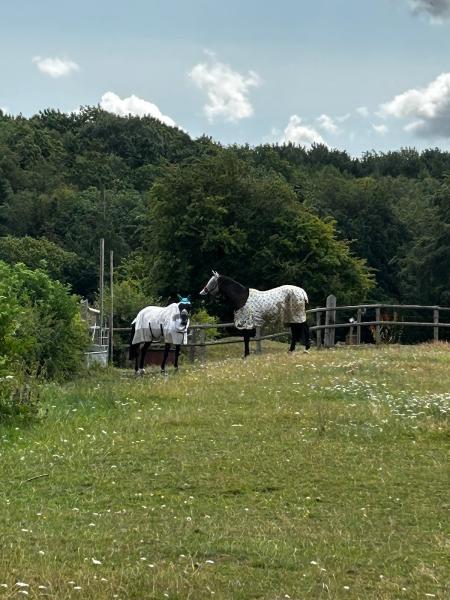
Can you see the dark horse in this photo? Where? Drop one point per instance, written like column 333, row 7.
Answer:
column 252, row 308
column 155, row 322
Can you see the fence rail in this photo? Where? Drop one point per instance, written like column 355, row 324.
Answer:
column 324, row 328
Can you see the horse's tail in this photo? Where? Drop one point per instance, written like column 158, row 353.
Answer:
column 132, row 350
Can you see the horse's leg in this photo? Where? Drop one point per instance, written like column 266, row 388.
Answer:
column 137, row 353
column 133, row 349
column 177, row 354
column 143, row 352
column 246, row 343
column 304, row 334
column 166, row 354
column 294, row 336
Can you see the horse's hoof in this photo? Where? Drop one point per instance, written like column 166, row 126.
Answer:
column 306, row 351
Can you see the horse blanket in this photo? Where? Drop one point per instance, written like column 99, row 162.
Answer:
column 155, row 322
column 284, row 304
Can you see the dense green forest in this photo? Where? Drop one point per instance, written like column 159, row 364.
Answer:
column 171, row 208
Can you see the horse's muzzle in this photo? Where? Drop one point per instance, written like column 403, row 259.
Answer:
column 204, row 292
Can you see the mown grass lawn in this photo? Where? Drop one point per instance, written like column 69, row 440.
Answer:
column 285, row 476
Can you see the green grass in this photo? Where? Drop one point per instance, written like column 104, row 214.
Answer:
column 285, row 476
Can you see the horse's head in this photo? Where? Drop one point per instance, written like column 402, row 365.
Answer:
column 184, row 306
column 212, row 287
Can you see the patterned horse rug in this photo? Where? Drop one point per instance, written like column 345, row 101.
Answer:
column 283, row 305
column 154, row 322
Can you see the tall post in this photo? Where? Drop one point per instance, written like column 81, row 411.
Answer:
column 258, row 340
column 193, row 342
column 111, row 309
column 330, row 319
column 202, row 347
column 436, row 328
column 377, row 326
column 102, row 285
column 358, row 326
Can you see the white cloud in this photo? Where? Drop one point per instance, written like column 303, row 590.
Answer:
column 429, row 108
column 55, row 67
column 380, row 129
column 327, row 124
column 227, row 90
column 299, row 134
column 363, row 111
column 438, row 10
column 137, row 107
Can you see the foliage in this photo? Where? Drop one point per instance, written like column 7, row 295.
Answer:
column 40, row 253
column 426, row 266
column 40, row 325
column 245, row 225
column 202, row 317
column 19, row 395
column 129, row 299
column 72, row 179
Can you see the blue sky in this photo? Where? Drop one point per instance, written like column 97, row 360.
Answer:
column 356, row 75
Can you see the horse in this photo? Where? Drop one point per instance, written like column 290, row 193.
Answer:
column 155, row 322
column 252, row 308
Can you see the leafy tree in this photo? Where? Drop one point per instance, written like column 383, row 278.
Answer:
column 426, row 267
column 366, row 215
column 219, row 213
column 40, row 253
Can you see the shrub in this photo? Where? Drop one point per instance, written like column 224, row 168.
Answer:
column 41, row 329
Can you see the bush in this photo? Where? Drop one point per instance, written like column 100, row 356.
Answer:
column 202, row 317
column 19, row 396
column 41, row 330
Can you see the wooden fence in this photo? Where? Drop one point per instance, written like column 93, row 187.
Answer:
column 325, row 326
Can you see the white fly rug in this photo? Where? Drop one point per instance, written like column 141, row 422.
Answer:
column 284, row 304
column 155, row 322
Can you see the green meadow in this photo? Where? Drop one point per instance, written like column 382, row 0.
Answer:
column 304, row 476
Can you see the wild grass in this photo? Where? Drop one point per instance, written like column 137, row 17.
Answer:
column 284, row 476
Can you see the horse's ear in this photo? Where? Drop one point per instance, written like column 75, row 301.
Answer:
column 180, row 298
column 215, row 273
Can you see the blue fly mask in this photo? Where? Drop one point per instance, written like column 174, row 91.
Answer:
column 182, row 319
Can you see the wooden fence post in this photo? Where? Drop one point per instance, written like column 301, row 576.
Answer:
column 358, row 326
column 330, row 319
column 193, row 342
column 436, row 320
column 377, row 326
column 318, row 331
column 202, row 347
column 258, row 340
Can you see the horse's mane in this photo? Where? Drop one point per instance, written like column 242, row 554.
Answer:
column 229, row 280
column 236, row 292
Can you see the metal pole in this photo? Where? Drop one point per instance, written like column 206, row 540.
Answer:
column 102, row 285
column 111, row 310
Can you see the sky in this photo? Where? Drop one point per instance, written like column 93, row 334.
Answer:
column 357, row 75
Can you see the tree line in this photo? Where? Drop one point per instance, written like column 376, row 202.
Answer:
column 373, row 228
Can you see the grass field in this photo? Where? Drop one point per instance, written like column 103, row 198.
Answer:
column 285, row 476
